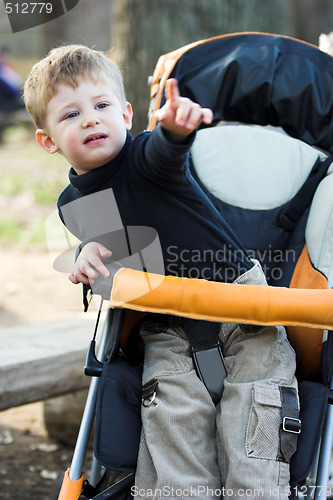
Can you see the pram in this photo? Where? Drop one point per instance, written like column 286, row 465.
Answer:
column 272, row 99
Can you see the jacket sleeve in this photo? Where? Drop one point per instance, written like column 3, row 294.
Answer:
column 162, row 159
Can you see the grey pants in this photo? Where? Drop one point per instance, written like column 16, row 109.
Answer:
column 191, row 448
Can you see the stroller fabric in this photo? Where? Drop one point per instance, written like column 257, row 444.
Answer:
column 269, row 95
column 259, row 79
column 269, row 80
column 118, row 416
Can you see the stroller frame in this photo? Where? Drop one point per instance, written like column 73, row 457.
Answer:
column 315, row 486
column 73, row 480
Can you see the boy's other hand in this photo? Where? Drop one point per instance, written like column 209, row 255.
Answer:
column 89, row 263
column 180, row 116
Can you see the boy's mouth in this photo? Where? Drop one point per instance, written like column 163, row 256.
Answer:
column 95, row 138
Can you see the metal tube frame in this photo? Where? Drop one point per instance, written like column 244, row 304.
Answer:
column 88, row 417
column 321, row 488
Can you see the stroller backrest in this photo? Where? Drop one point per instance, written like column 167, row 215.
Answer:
column 272, row 99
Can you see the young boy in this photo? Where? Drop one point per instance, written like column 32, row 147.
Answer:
column 190, row 447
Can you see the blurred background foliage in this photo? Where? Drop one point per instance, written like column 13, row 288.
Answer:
column 139, row 31
column 136, row 32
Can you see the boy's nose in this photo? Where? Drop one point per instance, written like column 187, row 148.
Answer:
column 90, row 120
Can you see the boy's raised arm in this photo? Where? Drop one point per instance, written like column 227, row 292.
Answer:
column 180, row 116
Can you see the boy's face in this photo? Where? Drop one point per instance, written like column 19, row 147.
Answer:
column 87, row 124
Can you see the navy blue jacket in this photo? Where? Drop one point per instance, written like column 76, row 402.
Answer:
column 152, row 187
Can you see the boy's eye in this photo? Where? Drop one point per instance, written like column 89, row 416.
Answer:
column 72, row 114
column 102, row 105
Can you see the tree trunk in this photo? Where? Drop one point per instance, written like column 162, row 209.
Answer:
column 146, row 29
column 310, row 18
column 88, row 23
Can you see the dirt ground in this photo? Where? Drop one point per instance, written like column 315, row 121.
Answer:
column 31, row 292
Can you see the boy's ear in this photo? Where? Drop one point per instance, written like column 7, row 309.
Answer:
column 128, row 115
column 45, row 141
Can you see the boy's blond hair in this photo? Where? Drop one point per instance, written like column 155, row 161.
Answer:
column 67, row 65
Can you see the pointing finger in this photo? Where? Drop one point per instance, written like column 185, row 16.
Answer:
column 172, row 91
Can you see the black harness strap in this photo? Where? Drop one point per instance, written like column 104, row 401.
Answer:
column 206, row 350
column 207, row 355
column 297, row 206
column 291, row 424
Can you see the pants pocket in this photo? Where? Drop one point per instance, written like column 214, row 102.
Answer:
column 265, row 436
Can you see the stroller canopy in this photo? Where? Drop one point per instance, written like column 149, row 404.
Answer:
column 262, row 79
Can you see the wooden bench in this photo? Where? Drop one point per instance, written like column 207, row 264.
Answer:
column 19, row 118
column 43, row 360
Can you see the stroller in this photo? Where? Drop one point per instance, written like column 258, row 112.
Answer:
column 272, row 98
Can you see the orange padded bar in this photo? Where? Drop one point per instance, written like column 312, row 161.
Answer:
column 70, row 490
column 222, row 302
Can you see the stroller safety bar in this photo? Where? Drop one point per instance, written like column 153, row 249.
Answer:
column 222, row 302
column 70, row 489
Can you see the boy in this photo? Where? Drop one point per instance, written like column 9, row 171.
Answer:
column 189, row 446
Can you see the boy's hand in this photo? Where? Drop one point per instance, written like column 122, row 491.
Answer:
column 90, row 255
column 180, row 116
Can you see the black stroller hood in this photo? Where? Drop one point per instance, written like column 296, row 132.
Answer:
column 263, row 79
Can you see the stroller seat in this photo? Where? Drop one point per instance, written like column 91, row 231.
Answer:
column 265, row 164
column 253, row 174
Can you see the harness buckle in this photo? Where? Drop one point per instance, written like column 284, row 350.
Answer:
column 149, row 392
column 293, row 425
